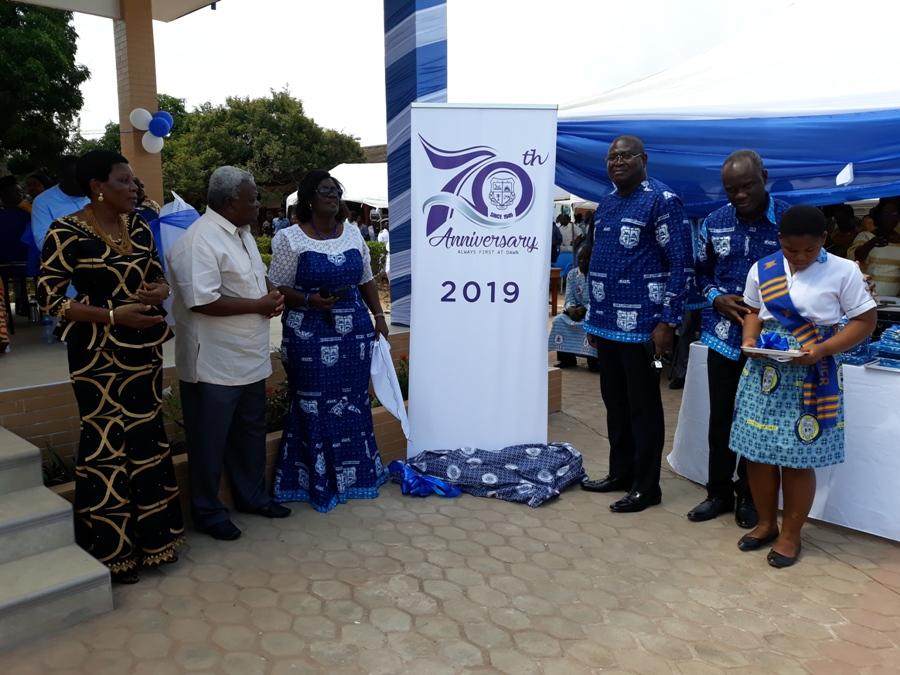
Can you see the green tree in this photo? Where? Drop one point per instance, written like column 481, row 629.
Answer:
column 39, row 84
column 271, row 137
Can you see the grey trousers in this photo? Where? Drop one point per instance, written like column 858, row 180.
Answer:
column 225, row 425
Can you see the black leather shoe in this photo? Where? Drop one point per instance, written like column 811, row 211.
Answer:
column 634, row 502
column 607, row 484
column 777, row 560
column 224, row 530
column 710, row 508
column 745, row 514
column 748, row 543
column 677, row 383
column 271, row 510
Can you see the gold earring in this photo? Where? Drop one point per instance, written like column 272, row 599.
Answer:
column 100, row 197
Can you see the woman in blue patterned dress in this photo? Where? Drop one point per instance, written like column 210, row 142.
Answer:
column 328, row 452
column 567, row 335
column 788, row 417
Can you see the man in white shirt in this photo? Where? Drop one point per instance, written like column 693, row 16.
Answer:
column 384, row 238
column 567, row 230
column 222, row 306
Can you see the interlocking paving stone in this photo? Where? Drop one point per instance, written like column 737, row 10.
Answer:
column 477, row 585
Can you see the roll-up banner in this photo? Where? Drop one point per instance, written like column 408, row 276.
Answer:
column 482, row 209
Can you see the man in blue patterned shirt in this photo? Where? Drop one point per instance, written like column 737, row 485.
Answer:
column 639, row 274
column 732, row 239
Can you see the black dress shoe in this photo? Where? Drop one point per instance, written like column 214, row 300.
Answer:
column 778, row 560
column 634, row 502
column 270, row 510
column 748, row 543
column 224, row 530
column 710, row 508
column 676, row 383
column 745, row 514
column 607, row 484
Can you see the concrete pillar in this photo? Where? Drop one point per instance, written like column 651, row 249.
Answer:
column 136, row 72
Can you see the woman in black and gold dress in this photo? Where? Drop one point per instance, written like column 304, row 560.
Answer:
column 127, row 510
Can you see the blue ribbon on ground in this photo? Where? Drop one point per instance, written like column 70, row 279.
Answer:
column 773, row 341
column 420, row 485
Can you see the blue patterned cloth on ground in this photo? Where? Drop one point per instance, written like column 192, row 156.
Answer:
column 530, row 474
column 328, row 452
column 566, row 334
column 770, row 425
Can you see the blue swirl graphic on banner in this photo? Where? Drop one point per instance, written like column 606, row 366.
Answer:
column 419, row 485
column 501, row 192
column 466, row 209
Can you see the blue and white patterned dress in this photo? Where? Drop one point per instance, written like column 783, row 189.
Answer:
column 328, row 452
column 770, row 423
column 566, row 334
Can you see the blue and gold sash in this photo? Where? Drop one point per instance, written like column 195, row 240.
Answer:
column 821, row 396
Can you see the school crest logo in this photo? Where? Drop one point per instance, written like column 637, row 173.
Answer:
column 626, row 321
column 294, row 320
column 598, row 291
column 657, row 291
column 662, row 235
column 721, row 245
column 769, row 379
column 808, row 429
column 343, row 323
column 337, row 259
column 330, row 355
column 722, row 329
column 629, row 236
column 502, row 192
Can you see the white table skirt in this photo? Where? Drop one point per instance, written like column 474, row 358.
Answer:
column 863, row 493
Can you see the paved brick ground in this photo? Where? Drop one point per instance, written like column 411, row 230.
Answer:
column 477, row 585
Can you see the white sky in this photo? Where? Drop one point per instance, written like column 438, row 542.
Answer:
column 331, row 54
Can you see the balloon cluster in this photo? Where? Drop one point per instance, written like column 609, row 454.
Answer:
column 156, row 125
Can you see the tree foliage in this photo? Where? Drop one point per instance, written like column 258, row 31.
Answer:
column 39, row 84
column 271, row 137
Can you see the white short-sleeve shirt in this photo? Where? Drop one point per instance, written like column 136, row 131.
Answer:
column 214, row 258
column 289, row 243
column 823, row 293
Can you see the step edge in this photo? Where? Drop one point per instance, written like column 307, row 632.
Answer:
column 82, row 581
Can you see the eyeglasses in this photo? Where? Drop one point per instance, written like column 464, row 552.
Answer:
column 614, row 157
column 329, row 191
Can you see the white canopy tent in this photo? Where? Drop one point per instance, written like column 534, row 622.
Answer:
column 824, row 115
column 363, row 183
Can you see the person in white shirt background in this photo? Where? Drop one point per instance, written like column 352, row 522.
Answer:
column 384, row 238
column 223, row 303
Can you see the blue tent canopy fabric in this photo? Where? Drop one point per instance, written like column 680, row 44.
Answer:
column 803, row 154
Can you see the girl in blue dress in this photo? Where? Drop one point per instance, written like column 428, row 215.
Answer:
column 328, row 452
column 788, row 417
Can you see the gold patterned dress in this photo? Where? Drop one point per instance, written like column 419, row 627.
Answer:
column 127, row 510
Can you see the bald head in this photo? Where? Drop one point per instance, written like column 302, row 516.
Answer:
column 744, row 178
column 633, row 141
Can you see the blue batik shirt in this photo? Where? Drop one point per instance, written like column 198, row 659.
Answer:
column 729, row 246
column 641, row 265
column 695, row 298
